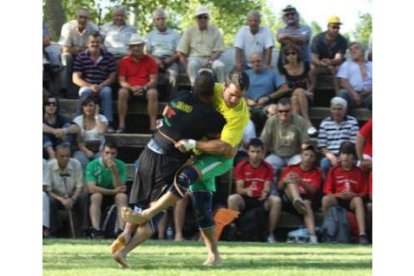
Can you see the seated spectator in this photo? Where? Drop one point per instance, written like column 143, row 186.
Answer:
column 201, row 46
column 297, row 75
column 295, row 33
column 266, row 87
column 334, row 130
column 105, row 178
column 346, row 186
column 64, row 182
column 116, row 34
column 363, row 147
column 284, row 135
column 355, row 76
column 161, row 45
column 73, row 39
column 92, row 126
column 328, row 50
column 299, row 184
column 253, row 38
column 94, row 71
column 56, row 128
column 137, row 78
column 45, row 205
column 254, row 184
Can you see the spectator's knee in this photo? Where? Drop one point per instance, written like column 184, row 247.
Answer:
column 275, row 201
column 234, row 199
column 121, row 198
column 96, row 198
column 152, row 94
column 123, row 94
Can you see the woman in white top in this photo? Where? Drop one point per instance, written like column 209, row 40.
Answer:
column 92, row 129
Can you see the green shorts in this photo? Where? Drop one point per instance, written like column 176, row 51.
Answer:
column 210, row 166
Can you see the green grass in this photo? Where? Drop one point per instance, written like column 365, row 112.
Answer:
column 88, row 257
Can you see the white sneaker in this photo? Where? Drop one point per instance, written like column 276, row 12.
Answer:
column 312, row 131
column 271, row 239
column 313, row 239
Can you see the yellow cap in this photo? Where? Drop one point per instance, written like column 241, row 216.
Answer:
column 334, row 20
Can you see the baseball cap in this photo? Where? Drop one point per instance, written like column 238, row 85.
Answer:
column 202, row 10
column 136, row 39
column 289, row 8
column 334, row 20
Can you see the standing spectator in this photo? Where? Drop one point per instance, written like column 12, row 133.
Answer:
column 355, row 76
column 334, row 130
column 284, row 135
column 201, row 46
column 105, row 178
column 299, row 184
column 137, row 78
column 73, row 39
column 266, row 86
column 363, row 146
column 346, row 186
column 253, row 186
column 116, row 34
column 92, row 126
column 253, row 38
column 64, row 183
column 161, row 45
column 328, row 50
column 297, row 74
column 295, row 33
column 56, row 128
column 94, row 71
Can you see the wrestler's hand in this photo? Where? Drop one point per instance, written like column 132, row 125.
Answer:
column 186, row 145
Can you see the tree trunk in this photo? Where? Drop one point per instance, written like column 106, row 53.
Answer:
column 55, row 17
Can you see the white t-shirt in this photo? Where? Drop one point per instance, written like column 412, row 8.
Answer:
column 91, row 134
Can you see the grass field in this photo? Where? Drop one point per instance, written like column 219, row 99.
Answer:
column 91, row 257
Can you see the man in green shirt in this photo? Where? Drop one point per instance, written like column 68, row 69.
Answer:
column 105, row 178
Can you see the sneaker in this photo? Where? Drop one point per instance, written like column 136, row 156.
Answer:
column 110, row 130
column 312, row 131
column 363, row 239
column 97, row 234
column 120, row 130
column 313, row 239
column 271, row 239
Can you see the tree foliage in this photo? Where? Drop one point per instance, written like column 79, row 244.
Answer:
column 363, row 29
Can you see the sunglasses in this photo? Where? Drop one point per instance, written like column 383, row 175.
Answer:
column 290, row 53
column 289, row 14
column 335, row 27
column 202, row 17
column 51, row 103
column 283, row 111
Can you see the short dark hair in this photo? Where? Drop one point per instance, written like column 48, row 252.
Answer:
column 63, row 146
column 239, row 79
column 204, row 84
column 110, row 143
column 255, row 142
column 90, row 99
column 347, row 147
column 284, row 101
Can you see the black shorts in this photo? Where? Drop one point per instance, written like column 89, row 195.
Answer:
column 252, row 202
column 287, row 205
column 154, row 175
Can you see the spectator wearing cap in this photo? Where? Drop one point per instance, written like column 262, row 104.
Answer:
column 138, row 78
column 299, row 185
column 328, row 49
column 161, row 44
column 334, row 130
column 295, row 33
column 94, row 71
column 355, row 78
column 116, row 34
column 201, row 46
column 253, row 38
column 73, row 40
column 346, row 186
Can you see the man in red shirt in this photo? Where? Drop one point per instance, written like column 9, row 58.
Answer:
column 253, row 184
column 364, row 146
column 138, row 78
column 299, row 184
column 346, row 185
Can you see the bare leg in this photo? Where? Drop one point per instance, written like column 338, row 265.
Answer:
column 124, row 237
column 143, row 233
column 152, row 108
column 303, row 105
column 121, row 201
column 274, row 204
column 95, row 210
column 123, row 95
column 309, row 218
column 328, row 201
column 179, row 217
column 357, row 206
column 294, row 196
column 162, row 226
column 210, row 241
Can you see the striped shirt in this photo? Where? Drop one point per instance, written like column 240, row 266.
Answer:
column 331, row 134
column 94, row 72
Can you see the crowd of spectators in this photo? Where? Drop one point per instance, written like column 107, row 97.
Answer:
column 276, row 167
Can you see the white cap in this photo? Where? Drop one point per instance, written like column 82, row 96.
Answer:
column 136, row 39
column 202, row 10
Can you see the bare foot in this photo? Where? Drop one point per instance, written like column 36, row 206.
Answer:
column 178, row 238
column 120, row 242
column 120, row 259
column 213, row 260
column 136, row 217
